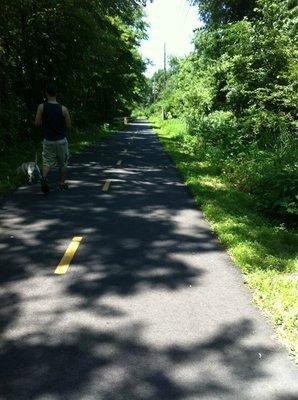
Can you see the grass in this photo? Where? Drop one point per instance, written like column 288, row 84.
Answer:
column 16, row 154
column 265, row 251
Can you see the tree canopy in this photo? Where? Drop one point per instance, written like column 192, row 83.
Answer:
column 89, row 47
column 237, row 91
column 218, row 12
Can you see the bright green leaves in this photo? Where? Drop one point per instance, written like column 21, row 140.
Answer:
column 238, row 94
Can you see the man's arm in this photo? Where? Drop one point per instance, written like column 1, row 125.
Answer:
column 38, row 117
column 66, row 117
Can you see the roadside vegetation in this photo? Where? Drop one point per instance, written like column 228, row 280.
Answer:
column 89, row 48
column 230, row 126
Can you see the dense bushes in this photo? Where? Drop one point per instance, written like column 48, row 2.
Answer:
column 241, row 150
column 237, row 92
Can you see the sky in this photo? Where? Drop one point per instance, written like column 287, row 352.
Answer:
column 171, row 22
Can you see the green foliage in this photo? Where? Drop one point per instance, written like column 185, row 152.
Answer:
column 216, row 12
column 88, row 47
column 255, row 154
column 237, row 93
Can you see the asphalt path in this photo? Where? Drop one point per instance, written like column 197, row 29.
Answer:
column 151, row 306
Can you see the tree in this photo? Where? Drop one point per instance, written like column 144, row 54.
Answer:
column 218, row 12
column 237, row 93
column 88, row 47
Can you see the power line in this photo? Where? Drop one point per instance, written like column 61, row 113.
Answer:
column 180, row 6
column 185, row 18
column 184, row 11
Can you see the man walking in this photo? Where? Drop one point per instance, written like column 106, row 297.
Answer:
column 55, row 120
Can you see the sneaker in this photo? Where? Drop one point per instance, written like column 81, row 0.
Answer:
column 45, row 188
column 63, row 186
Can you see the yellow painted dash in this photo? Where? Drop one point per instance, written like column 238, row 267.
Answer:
column 119, row 162
column 62, row 267
column 106, row 185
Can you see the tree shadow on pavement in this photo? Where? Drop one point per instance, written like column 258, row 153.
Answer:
column 116, row 365
column 139, row 237
column 128, row 233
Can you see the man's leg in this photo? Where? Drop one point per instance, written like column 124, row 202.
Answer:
column 63, row 171
column 62, row 158
column 46, row 158
column 45, row 170
column 44, row 183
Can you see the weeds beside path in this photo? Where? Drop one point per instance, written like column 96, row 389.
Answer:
column 265, row 251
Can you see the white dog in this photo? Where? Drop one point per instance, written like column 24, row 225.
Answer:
column 31, row 171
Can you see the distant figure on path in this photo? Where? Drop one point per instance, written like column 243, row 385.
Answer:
column 54, row 119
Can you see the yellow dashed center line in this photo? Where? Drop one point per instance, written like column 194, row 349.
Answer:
column 106, row 185
column 62, row 267
column 119, row 162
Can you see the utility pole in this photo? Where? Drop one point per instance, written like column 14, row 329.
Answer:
column 165, row 60
column 163, row 113
column 154, row 89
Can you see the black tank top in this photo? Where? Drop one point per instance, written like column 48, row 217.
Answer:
column 53, row 123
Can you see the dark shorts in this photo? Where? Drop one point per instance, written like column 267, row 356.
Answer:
column 55, row 153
